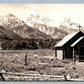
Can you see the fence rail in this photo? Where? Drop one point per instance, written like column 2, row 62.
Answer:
column 30, row 75
column 38, row 76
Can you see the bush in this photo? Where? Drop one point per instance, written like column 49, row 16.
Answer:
column 28, row 44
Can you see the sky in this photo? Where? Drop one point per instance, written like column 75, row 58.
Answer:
column 56, row 12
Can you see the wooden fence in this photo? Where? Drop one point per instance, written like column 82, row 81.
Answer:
column 63, row 78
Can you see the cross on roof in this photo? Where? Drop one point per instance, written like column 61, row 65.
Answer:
column 79, row 27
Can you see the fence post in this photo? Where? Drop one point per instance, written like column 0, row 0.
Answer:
column 65, row 77
column 2, row 77
column 26, row 58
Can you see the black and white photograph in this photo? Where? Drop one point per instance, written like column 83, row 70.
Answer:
column 41, row 42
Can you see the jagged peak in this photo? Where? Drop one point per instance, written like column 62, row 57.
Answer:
column 34, row 13
column 10, row 15
column 67, row 19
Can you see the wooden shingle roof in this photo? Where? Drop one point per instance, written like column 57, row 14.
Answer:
column 66, row 39
column 77, row 41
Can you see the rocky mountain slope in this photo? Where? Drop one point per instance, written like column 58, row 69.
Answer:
column 43, row 24
column 68, row 25
column 12, row 25
column 36, row 27
column 8, row 34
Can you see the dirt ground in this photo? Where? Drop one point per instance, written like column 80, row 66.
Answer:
column 41, row 61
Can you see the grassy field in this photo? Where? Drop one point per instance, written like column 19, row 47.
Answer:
column 41, row 61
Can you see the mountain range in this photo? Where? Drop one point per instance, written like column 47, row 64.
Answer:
column 35, row 27
column 43, row 25
column 15, row 28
